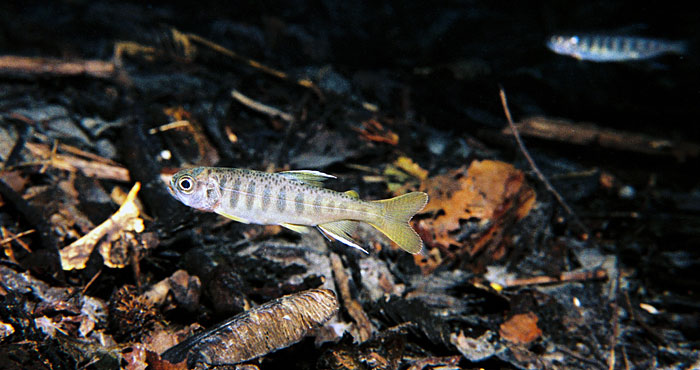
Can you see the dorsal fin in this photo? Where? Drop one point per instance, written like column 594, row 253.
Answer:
column 310, row 177
column 352, row 194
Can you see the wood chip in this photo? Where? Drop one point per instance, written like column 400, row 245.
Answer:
column 272, row 326
column 126, row 219
column 363, row 325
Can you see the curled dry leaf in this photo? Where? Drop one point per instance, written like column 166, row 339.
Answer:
column 487, row 191
column 272, row 326
column 520, row 329
column 372, row 130
column 120, row 227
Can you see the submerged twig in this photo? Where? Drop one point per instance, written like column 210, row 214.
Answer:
column 14, row 64
column 588, row 134
column 9, row 236
column 534, row 167
column 564, row 277
column 255, row 64
column 170, row 126
column 260, row 107
column 364, row 325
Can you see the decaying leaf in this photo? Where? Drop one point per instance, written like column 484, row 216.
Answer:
column 113, row 237
column 521, row 328
column 272, row 326
column 404, row 174
column 485, row 193
column 475, row 349
column 372, row 130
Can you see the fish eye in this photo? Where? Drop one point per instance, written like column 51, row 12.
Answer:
column 186, row 184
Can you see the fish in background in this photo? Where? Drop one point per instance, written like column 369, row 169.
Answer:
column 605, row 48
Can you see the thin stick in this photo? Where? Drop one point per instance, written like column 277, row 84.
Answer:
column 15, row 64
column 534, row 167
column 87, row 286
column 616, row 325
column 15, row 236
column 255, row 64
column 170, row 126
column 260, row 107
column 564, row 277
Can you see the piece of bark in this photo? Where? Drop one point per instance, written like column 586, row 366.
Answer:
column 30, row 66
column 272, row 326
column 126, row 219
column 589, row 134
column 363, row 325
column 71, row 163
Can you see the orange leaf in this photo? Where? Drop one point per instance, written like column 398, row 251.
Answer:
column 372, row 130
column 521, row 328
column 487, row 191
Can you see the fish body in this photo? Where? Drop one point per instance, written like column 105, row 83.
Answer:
column 296, row 200
column 602, row 48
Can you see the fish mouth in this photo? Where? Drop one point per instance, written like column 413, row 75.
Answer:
column 171, row 190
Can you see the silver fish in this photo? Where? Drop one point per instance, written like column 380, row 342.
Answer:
column 603, row 48
column 296, row 200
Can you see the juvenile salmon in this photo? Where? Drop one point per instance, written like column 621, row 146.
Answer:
column 603, row 48
column 296, row 200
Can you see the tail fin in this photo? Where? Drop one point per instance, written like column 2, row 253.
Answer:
column 394, row 223
column 679, row 47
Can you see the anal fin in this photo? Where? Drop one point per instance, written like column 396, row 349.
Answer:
column 340, row 231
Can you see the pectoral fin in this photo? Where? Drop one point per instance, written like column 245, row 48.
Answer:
column 340, row 231
column 298, row 228
column 310, row 177
column 232, row 217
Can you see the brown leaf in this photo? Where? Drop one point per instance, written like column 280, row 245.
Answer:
column 372, row 130
column 521, row 328
column 486, row 191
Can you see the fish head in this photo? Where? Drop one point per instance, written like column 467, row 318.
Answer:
column 562, row 44
column 195, row 187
